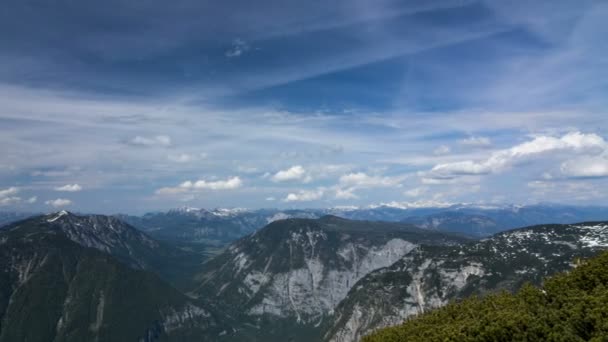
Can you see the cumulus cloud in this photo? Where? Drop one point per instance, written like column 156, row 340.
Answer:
column 479, row 142
column 305, row 195
column 363, row 180
column 159, row 140
column 190, row 186
column 9, row 192
column 415, row 192
column 69, row 188
column 59, row 202
column 347, row 193
column 32, row 200
column 442, row 150
column 576, row 142
column 586, row 167
column 8, row 196
column 294, row 173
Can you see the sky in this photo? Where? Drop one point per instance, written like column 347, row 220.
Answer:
column 136, row 106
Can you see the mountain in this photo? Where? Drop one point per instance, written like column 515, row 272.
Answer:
column 430, row 276
column 285, row 279
column 569, row 307
column 127, row 244
column 7, row 217
column 485, row 221
column 208, row 231
column 53, row 287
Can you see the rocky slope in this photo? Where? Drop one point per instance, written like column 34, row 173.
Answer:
column 127, row 244
column 55, row 288
column 296, row 271
column 430, row 276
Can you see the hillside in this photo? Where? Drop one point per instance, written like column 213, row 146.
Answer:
column 127, row 244
column 55, row 289
column 432, row 276
column 569, row 307
column 285, row 279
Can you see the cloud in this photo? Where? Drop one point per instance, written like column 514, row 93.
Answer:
column 478, row 142
column 305, row 195
column 294, row 173
column 9, row 192
column 586, row 167
column 32, row 200
column 416, row 204
column 59, row 202
column 363, row 180
column 180, row 158
column 238, row 48
column 575, row 142
column 347, row 193
column 189, row 186
column 416, row 192
column 441, row 150
column 69, row 188
column 270, row 199
column 159, row 140
column 7, row 196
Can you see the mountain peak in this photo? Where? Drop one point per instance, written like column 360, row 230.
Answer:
column 58, row 215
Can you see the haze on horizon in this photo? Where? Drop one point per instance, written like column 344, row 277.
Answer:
column 126, row 106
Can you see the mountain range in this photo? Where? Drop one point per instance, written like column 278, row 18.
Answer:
column 71, row 277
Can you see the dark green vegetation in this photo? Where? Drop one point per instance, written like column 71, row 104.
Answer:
column 569, row 307
column 55, row 289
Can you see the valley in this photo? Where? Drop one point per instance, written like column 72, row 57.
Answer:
column 317, row 277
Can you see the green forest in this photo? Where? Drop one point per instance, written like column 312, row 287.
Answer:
column 570, row 307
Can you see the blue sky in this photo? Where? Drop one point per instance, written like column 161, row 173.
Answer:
column 126, row 106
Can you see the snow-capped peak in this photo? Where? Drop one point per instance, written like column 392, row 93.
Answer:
column 58, row 215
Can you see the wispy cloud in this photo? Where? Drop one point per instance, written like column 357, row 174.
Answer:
column 58, row 202
column 69, row 188
column 200, row 185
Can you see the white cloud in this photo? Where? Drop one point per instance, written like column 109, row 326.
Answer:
column 480, row 142
column 187, row 186
column 7, row 196
column 238, row 48
column 442, row 150
column 586, row 167
column 9, row 192
column 180, row 158
column 294, row 173
column 270, row 199
column 59, row 202
column 159, row 140
column 347, row 193
column 305, row 195
column 69, row 188
column 576, row 142
column 363, row 180
column 416, row 204
column 416, row 192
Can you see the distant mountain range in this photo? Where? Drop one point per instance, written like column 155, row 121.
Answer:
column 69, row 277
column 219, row 227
